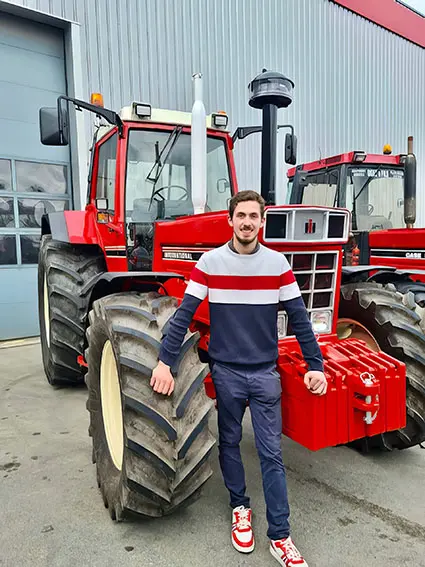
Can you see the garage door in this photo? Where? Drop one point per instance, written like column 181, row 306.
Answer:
column 33, row 178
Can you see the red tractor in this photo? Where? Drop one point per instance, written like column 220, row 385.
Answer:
column 382, row 293
column 112, row 276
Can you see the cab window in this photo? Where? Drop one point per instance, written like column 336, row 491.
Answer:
column 321, row 188
column 105, row 188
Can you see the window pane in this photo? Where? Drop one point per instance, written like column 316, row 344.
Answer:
column 172, row 180
column 6, row 213
column 321, row 189
column 31, row 211
column 378, row 195
column 106, row 171
column 29, row 249
column 7, row 250
column 40, row 177
column 5, row 175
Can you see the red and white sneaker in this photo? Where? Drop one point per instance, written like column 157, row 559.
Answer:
column 285, row 552
column 242, row 535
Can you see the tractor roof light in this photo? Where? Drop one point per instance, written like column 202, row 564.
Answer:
column 270, row 88
column 359, row 157
column 387, row 149
column 220, row 119
column 142, row 110
column 97, row 99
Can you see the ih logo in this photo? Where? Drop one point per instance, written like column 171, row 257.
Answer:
column 310, row 227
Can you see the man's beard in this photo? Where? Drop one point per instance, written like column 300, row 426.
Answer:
column 245, row 241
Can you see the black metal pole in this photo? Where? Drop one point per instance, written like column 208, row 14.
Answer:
column 268, row 153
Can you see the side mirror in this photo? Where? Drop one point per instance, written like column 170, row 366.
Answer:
column 290, row 149
column 410, row 190
column 54, row 130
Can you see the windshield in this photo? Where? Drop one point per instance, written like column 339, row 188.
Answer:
column 158, row 179
column 378, row 192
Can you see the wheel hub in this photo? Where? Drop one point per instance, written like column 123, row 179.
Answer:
column 110, row 395
column 351, row 329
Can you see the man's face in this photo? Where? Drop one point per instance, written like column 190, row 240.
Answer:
column 246, row 221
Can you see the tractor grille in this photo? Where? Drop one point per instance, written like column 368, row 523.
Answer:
column 316, row 277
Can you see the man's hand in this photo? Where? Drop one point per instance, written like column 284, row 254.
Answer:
column 162, row 380
column 316, row 382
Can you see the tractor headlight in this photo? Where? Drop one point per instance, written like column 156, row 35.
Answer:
column 321, row 321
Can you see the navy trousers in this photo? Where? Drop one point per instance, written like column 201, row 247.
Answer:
column 260, row 385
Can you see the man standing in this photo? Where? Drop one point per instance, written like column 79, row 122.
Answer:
column 245, row 282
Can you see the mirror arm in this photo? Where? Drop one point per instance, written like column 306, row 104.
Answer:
column 109, row 115
column 286, row 126
column 244, row 131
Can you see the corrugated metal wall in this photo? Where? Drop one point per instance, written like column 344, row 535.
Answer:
column 357, row 85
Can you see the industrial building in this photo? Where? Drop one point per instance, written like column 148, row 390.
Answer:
column 358, row 68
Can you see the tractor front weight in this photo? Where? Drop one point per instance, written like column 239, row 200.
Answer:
column 366, row 394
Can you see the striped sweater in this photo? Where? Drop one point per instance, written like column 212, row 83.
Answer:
column 244, row 292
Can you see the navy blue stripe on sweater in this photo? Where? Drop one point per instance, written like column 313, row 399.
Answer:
column 244, row 292
column 240, row 334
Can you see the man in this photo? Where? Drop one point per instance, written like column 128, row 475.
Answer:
column 245, row 282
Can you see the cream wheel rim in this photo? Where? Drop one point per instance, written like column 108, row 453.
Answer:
column 46, row 311
column 110, row 396
column 351, row 329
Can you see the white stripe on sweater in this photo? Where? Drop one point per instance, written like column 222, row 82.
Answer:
column 197, row 290
column 244, row 296
column 289, row 291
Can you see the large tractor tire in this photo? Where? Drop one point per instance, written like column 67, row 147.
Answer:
column 66, row 275
column 151, row 451
column 387, row 320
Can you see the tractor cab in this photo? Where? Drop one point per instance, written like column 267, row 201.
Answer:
column 157, row 176
column 371, row 186
column 151, row 166
column 141, row 171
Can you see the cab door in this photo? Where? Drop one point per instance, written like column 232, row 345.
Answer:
column 106, row 196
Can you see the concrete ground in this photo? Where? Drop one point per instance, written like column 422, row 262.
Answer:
column 347, row 509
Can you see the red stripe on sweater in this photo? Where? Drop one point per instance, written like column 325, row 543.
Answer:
column 287, row 278
column 199, row 276
column 245, row 282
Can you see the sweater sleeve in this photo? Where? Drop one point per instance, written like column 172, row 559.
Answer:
column 301, row 325
column 177, row 329
column 196, row 292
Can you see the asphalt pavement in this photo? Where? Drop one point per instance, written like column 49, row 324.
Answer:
column 347, row 509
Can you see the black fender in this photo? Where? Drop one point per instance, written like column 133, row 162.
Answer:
column 351, row 274
column 397, row 276
column 387, row 276
column 55, row 224
column 383, row 275
column 114, row 282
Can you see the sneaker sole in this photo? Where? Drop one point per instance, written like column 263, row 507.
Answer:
column 279, row 560
column 243, row 549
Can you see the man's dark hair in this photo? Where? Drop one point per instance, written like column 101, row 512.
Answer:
column 244, row 196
